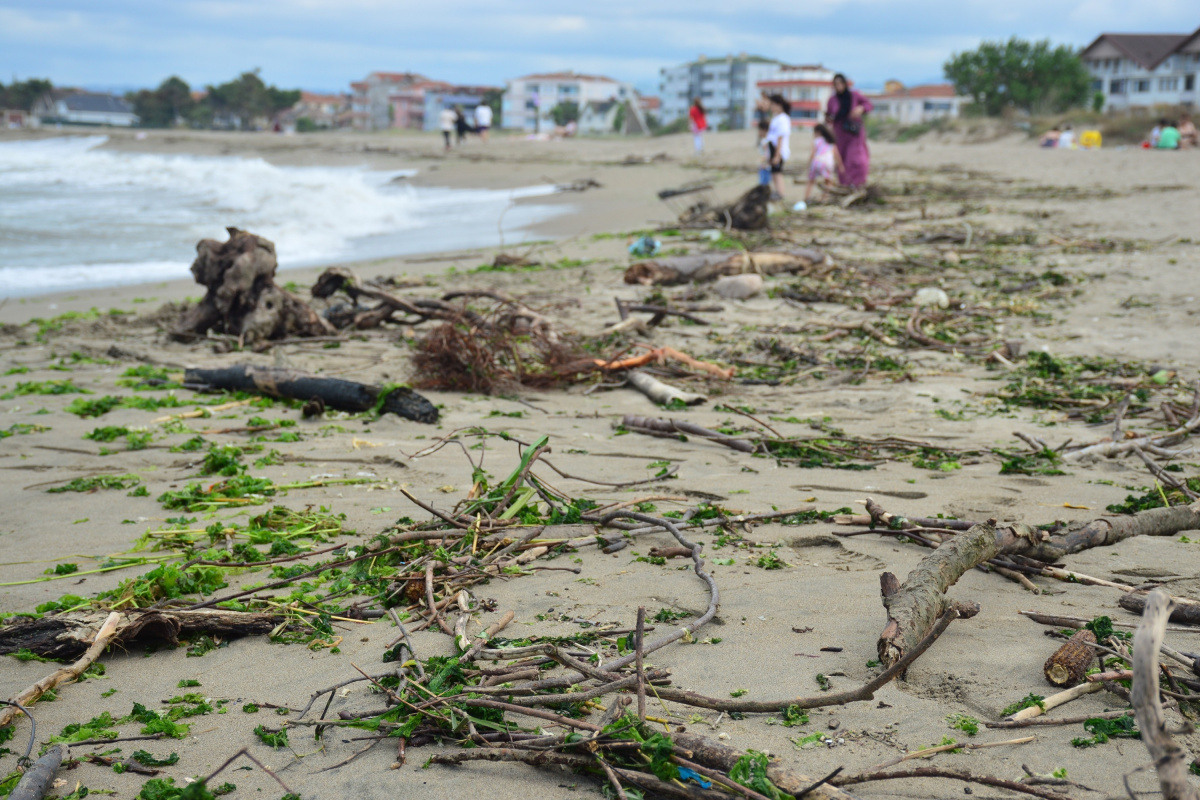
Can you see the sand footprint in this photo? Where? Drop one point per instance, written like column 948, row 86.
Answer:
column 828, row 551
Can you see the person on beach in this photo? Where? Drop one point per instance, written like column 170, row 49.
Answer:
column 483, row 120
column 1169, row 138
column 461, row 126
column 764, row 169
column 698, row 123
column 1188, row 137
column 1156, row 132
column 844, row 115
column 1066, row 139
column 824, row 163
column 446, row 123
column 778, row 142
column 1050, row 138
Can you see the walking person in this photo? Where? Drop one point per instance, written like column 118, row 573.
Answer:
column 778, row 139
column 461, row 126
column 446, row 123
column 698, row 122
column 844, row 115
column 483, row 120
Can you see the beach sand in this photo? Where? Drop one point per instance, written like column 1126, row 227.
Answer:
column 1131, row 303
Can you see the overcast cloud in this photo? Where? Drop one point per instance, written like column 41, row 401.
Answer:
column 325, row 44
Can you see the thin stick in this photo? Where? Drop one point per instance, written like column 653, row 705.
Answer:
column 930, row 751
column 1044, row 722
column 641, row 669
column 487, row 635
column 407, row 642
column 69, row 673
column 245, row 752
column 434, row 511
column 955, row 774
column 435, row 614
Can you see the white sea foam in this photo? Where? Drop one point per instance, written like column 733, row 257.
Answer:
column 74, row 216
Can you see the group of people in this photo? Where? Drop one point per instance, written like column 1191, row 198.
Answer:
column 1170, row 134
column 839, row 152
column 454, row 122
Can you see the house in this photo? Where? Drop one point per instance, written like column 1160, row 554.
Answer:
column 73, row 107
column 323, row 111
column 1143, row 70
column 727, row 87
column 408, row 103
column 15, row 118
column 806, row 87
column 370, row 105
column 613, row 116
column 529, row 100
column 468, row 98
column 911, row 106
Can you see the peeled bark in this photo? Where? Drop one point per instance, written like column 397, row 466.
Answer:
column 915, row 605
column 69, row 635
column 242, row 299
column 704, row 267
column 1170, row 760
column 333, row 392
column 661, row 393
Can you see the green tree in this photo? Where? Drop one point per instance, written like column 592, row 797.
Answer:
column 1028, row 76
column 495, row 99
column 22, row 94
column 246, row 98
column 564, row 112
column 161, row 107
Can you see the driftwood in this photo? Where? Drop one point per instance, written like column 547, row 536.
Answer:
column 36, row 781
column 340, row 279
column 677, row 428
column 1070, row 663
column 1183, row 610
column 662, row 393
column 69, row 635
column 71, row 672
column 715, row 754
column 333, row 392
column 914, row 605
column 1169, row 758
column 704, row 267
column 242, row 299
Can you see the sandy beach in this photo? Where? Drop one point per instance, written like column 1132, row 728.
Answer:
column 1090, row 257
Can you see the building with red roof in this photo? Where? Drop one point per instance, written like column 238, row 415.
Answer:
column 1143, row 70
column 917, row 104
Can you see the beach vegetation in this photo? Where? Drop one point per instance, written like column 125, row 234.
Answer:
column 97, row 483
column 1033, row 77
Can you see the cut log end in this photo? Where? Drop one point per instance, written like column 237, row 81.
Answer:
column 1070, row 663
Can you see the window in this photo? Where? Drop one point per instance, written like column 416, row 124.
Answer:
column 931, row 106
column 1142, row 85
column 1097, row 86
column 1116, row 87
column 1189, row 83
column 568, row 88
column 1168, row 84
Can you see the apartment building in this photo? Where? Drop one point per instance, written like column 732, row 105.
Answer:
column 529, row 100
column 806, row 87
column 917, row 104
column 727, row 87
column 370, row 104
column 1139, row 70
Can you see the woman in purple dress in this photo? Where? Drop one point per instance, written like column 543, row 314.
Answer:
column 844, row 115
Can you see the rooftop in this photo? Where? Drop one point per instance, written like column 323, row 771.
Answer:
column 945, row 90
column 565, row 76
column 97, row 102
column 1146, row 49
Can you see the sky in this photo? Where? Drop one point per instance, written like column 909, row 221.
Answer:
column 322, row 45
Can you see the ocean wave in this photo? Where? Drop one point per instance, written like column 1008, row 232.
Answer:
column 73, row 215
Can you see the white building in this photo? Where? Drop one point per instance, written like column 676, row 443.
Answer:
column 83, row 108
column 918, row 104
column 807, row 88
column 528, row 101
column 1136, row 70
column 727, row 88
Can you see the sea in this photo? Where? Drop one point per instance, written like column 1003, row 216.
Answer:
column 76, row 216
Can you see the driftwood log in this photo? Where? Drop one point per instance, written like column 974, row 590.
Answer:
column 715, row 754
column 99, row 641
column 1169, row 758
column 1069, row 664
column 331, row 392
column 1183, row 610
column 659, row 392
column 340, row 279
column 69, row 635
column 36, row 781
column 242, row 299
column 914, row 606
column 703, row 267
column 677, row 429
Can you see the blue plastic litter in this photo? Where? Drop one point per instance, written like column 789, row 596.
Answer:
column 645, row 246
column 686, row 774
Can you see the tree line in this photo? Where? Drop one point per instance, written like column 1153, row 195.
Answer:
column 1017, row 75
column 237, row 103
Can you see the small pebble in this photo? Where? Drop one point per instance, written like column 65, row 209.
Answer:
column 841, row 740
column 833, row 724
column 722, row 735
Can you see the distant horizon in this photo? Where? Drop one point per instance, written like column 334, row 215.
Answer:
column 323, row 45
